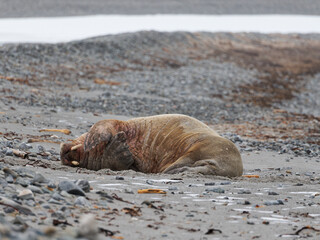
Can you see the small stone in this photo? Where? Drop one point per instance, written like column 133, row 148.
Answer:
column 129, row 191
column 41, row 148
column 24, row 146
column 8, row 210
column 46, row 206
column 189, row 215
column 225, row 183
column 273, row 193
column 210, row 184
column 22, row 182
column 3, row 183
column 172, row 188
column 71, row 188
column 244, row 191
column 30, row 203
column 246, row 202
column 53, row 201
column 39, row 178
column 57, row 196
column 273, row 202
column 9, row 152
column 46, row 190
column 216, row 190
column 88, row 227
column 9, row 179
column 19, row 220
column 52, row 185
column 298, row 184
column 82, row 201
column 26, row 194
column 35, row 189
column 50, row 231
column 150, row 182
column 84, row 185
column 250, row 222
column 104, row 194
column 58, row 215
column 119, row 178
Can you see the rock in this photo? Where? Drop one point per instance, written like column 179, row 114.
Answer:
column 119, row 178
column 82, row 201
column 83, row 184
column 216, row 190
column 225, row 183
column 22, row 182
column 244, row 191
column 35, row 189
column 4, row 230
column 19, row 220
column 129, row 191
column 57, row 196
column 8, row 210
column 150, row 182
column 53, row 201
column 51, row 185
column 88, row 227
column 58, row 215
column 31, row 203
column 9, row 179
column 70, row 188
column 26, row 194
column 210, row 184
column 104, row 194
column 3, row 183
column 38, row 179
column 10, row 172
column 24, row 146
column 41, row 148
column 9, row 152
column 273, row 202
column 46, row 206
column 273, row 193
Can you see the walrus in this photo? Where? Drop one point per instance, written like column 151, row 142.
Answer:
column 169, row 143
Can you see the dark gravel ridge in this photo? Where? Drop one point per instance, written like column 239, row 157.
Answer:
column 220, row 78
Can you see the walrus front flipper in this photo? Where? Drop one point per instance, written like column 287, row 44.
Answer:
column 117, row 155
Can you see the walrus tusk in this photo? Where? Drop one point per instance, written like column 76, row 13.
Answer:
column 65, row 131
column 75, row 163
column 76, row 147
column 151, row 191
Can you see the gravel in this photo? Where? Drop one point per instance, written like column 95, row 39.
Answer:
column 73, row 85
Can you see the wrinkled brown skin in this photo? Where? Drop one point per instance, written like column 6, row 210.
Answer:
column 169, row 143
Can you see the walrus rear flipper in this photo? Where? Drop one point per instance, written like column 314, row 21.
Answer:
column 117, row 155
column 205, row 167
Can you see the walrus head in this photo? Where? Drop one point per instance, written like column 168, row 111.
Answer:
column 71, row 154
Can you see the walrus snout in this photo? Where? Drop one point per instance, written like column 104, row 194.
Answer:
column 70, row 154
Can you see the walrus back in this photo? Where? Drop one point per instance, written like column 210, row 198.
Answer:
column 161, row 140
